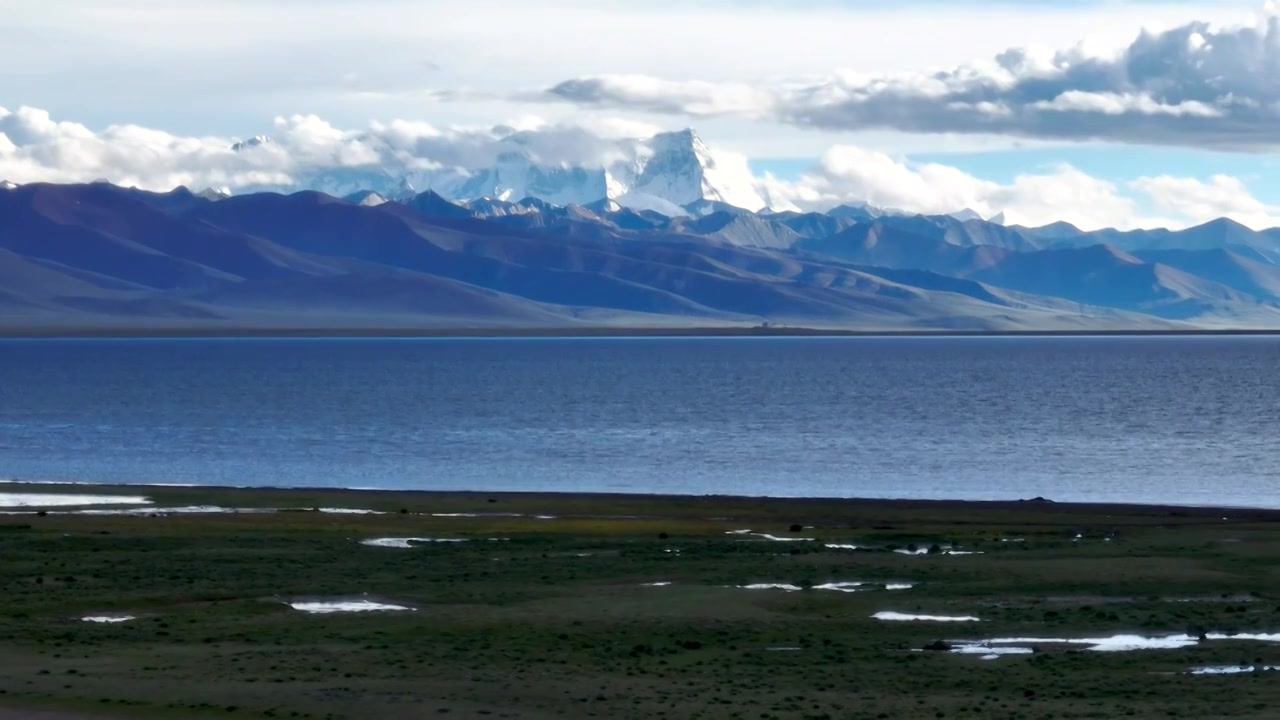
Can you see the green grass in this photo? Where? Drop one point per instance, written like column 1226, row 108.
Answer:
column 553, row 621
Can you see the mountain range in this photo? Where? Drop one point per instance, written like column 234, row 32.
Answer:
column 665, row 173
column 101, row 256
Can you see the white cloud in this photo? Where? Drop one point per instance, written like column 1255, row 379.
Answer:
column 214, row 67
column 649, row 94
column 34, row 147
column 1063, row 193
column 38, row 148
column 1200, row 201
column 852, row 174
column 1194, row 85
column 1113, row 103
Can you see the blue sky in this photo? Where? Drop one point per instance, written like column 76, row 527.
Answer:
column 1102, row 112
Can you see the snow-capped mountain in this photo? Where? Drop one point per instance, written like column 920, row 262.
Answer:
column 678, row 168
column 252, row 142
column 6, row 185
column 367, row 198
column 345, row 182
column 665, row 172
column 971, row 214
column 214, row 194
column 516, row 176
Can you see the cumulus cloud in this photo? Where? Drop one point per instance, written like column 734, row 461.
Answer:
column 308, row 151
column 36, row 148
column 1200, row 201
column 850, row 174
column 1194, row 85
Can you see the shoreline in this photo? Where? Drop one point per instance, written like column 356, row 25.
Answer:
column 73, row 333
column 561, row 496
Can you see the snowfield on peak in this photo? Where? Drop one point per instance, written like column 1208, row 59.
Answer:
column 679, row 168
column 645, row 201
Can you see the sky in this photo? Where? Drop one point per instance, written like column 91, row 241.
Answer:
column 1122, row 113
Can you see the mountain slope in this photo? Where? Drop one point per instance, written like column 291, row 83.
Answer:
column 1109, row 277
column 129, row 235
column 99, row 255
column 742, row 229
column 883, row 244
column 1240, row 269
column 1217, row 234
column 636, row 277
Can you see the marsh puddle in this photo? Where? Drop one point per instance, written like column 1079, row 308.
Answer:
column 767, row 536
column 943, row 550
column 46, row 500
column 989, row 652
column 662, row 583
column 1113, row 643
column 187, row 510
column 842, row 586
column 863, row 586
column 846, row 586
column 107, row 619
column 913, row 551
column 325, row 607
column 213, row 510
column 490, row 515
column 909, row 617
column 1234, row 669
column 407, row 542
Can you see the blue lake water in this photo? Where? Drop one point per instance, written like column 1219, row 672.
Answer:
column 1192, row 420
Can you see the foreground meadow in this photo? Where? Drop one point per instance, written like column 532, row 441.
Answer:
column 551, row 606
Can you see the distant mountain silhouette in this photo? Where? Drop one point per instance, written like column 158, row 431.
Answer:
column 104, row 256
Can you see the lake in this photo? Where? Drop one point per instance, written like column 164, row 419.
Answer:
column 1185, row 420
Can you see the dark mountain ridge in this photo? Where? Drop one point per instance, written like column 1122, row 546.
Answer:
column 102, row 255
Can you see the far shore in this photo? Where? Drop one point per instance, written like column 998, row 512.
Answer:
column 391, row 498
column 70, row 332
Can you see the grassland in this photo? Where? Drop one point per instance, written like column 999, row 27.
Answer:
column 552, row 617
